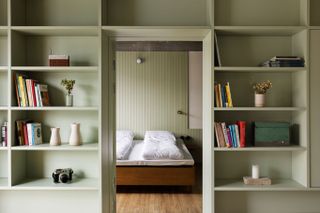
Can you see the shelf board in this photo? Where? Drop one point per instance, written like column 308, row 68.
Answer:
column 3, row 69
column 259, row 30
column 277, row 185
column 217, row 109
column 57, row 30
column 3, row 108
column 259, row 69
column 261, row 149
column 55, row 108
column 158, row 32
column 63, row 147
column 4, row 148
column 3, row 31
column 75, row 69
column 47, row 184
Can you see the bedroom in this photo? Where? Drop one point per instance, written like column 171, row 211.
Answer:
column 159, row 94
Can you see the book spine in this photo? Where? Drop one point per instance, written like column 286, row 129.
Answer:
column 237, row 135
column 39, row 96
column 225, row 135
column 216, row 95
column 29, row 127
column 34, row 98
column 15, row 80
column 25, row 133
column 216, row 133
column 223, row 97
column 229, row 94
column 220, row 95
column 242, row 128
column 4, row 134
column 220, row 135
column 229, row 137
column 19, row 133
column 29, row 92
column 234, row 137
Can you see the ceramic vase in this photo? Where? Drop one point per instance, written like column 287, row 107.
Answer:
column 55, row 139
column 69, row 100
column 74, row 139
column 259, row 100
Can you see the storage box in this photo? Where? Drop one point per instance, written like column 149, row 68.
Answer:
column 271, row 134
column 59, row 60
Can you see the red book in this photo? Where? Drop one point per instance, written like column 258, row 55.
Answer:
column 25, row 133
column 242, row 132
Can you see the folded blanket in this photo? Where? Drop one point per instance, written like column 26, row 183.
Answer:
column 124, row 144
column 160, row 145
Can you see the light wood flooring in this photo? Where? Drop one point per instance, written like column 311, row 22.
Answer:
column 158, row 201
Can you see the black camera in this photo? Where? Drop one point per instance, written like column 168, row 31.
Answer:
column 62, row 175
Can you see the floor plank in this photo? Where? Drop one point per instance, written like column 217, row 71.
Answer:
column 158, row 201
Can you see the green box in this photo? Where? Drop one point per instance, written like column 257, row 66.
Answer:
column 271, row 134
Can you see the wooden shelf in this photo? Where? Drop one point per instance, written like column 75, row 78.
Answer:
column 53, row 108
column 63, row 147
column 58, row 30
column 3, row 69
column 48, row 184
column 75, row 69
column 256, row 109
column 259, row 69
column 261, row 149
column 259, row 30
column 3, row 108
column 277, row 185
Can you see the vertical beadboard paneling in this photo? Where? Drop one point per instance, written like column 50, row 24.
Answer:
column 150, row 94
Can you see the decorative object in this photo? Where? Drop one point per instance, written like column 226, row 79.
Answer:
column 74, row 139
column 258, row 181
column 62, row 175
column 55, row 139
column 59, row 60
column 140, row 60
column 68, row 85
column 255, row 171
column 268, row 134
column 260, row 93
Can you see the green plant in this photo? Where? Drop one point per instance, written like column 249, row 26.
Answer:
column 68, row 85
column 262, row 87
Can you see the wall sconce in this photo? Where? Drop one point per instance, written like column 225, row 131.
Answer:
column 140, row 60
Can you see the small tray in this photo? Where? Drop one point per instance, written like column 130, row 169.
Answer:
column 259, row 181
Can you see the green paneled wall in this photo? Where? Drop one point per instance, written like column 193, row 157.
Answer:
column 150, row 94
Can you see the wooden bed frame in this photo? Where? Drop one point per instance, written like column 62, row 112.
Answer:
column 155, row 175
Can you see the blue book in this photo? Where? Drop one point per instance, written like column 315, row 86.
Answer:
column 231, row 133
column 223, row 95
column 234, row 136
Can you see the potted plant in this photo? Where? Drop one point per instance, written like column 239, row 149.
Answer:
column 68, row 85
column 260, row 92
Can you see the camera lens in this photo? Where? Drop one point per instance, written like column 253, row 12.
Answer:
column 64, row 178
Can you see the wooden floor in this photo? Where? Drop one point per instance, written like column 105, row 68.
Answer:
column 158, row 201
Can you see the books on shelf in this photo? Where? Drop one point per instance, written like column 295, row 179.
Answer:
column 30, row 93
column 29, row 133
column 284, row 61
column 4, row 134
column 223, row 96
column 231, row 136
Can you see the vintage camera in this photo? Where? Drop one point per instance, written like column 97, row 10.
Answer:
column 62, row 175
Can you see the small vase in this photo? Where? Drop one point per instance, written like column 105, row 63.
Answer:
column 55, row 139
column 259, row 100
column 69, row 100
column 74, row 139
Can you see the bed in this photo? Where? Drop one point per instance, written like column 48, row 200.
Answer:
column 135, row 170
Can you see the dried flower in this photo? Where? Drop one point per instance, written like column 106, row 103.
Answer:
column 262, row 87
column 68, row 85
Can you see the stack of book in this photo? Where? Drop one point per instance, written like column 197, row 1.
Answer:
column 223, row 95
column 284, row 61
column 231, row 136
column 30, row 93
column 4, row 134
column 28, row 133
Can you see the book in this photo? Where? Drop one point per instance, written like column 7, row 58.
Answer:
column 228, row 92
column 220, row 95
column 216, row 133
column 4, row 134
column 44, row 96
column 242, row 132
column 23, row 91
column 220, row 136
column 237, row 135
column 34, row 133
column 15, row 82
column 225, row 134
column 216, row 95
column 217, row 57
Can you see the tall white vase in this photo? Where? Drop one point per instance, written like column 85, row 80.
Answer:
column 74, row 139
column 259, row 100
column 55, row 139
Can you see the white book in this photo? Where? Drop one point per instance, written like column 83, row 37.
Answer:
column 30, row 135
column 237, row 134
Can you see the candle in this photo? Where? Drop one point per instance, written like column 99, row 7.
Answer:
column 255, row 171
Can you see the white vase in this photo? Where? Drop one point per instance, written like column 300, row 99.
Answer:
column 74, row 139
column 69, row 100
column 55, row 139
column 259, row 100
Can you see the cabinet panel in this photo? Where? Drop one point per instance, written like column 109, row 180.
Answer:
column 314, row 107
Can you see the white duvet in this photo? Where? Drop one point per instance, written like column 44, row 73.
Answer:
column 124, row 143
column 160, row 145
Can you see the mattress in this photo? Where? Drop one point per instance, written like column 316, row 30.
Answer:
column 135, row 157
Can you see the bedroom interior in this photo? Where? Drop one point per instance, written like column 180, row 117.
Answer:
column 158, row 88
